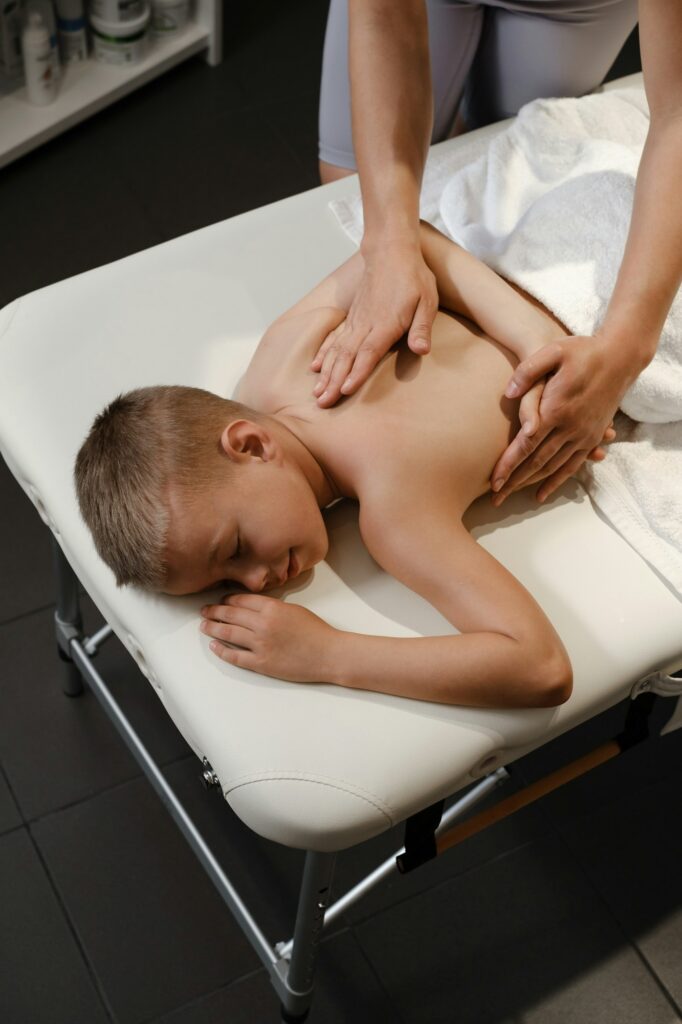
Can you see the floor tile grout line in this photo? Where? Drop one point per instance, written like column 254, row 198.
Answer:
column 26, row 614
column 612, row 916
column 80, row 945
column 139, row 775
column 23, row 822
column 197, row 1000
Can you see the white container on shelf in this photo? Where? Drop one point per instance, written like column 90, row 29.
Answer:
column 71, row 27
column 41, row 85
column 117, row 10
column 168, row 16
column 120, row 42
column 45, row 9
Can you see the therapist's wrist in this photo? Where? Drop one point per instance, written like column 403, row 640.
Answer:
column 393, row 237
column 628, row 352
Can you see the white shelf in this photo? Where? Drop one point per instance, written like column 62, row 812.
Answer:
column 88, row 87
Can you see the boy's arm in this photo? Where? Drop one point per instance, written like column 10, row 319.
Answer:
column 506, row 656
column 468, row 286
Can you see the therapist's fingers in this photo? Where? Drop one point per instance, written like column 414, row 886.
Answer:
column 515, row 455
column 350, row 368
column 557, row 479
column 324, row 348
column 554, row 450
column 419, row 334
column 529, row 370
column 336, row 364
column 597, row 455
column 529, row 408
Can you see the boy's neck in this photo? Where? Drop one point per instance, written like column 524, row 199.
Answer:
column 299, row 445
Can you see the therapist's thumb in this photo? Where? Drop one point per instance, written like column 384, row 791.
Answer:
column 419, row 336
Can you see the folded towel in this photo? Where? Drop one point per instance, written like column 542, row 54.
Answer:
column 638, row 490
column 547, row 204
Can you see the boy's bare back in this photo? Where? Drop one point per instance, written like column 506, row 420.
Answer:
column 431, row 427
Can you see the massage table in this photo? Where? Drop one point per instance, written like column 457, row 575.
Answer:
column 315, row 767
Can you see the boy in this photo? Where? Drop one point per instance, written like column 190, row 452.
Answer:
column 183, row 489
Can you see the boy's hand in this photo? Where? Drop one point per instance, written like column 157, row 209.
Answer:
column 273, row 638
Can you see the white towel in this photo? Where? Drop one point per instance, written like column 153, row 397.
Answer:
column 547, row 204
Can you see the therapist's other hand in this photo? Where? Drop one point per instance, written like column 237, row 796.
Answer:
column 273, row 638
column 574, row 416
column 396, row 295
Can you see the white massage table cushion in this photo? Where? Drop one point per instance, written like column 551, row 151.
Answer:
column 312, row 766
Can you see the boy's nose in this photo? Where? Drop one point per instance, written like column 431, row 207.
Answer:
column 256, row 579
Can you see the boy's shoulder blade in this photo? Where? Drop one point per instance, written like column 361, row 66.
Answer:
column 280, row 366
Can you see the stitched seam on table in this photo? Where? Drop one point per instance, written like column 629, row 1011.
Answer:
column 9, row 323
column 297, row 776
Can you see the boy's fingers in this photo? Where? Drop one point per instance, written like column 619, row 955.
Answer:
column 233, row 655
column 238, row 615
column 228, row 633
column 253, row 601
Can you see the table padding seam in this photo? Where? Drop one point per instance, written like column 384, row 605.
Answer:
column 294, row 776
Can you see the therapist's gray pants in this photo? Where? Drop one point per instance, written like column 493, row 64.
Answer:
column 494, row 55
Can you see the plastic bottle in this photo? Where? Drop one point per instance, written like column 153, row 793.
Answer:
column 73, row 40
column 46, row 11
column 41, row 85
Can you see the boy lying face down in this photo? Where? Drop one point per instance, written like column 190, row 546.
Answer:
column 183, row 489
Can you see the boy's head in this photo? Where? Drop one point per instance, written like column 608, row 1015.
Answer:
column 182, row 489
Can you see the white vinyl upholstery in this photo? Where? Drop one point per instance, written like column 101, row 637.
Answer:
column 312, row 766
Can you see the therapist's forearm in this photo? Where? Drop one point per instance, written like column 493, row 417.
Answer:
column 651, row 270
column 392, row 111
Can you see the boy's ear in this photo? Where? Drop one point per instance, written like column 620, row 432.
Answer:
column 243, row 440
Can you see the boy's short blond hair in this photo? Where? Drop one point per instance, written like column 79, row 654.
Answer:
column 139, row 444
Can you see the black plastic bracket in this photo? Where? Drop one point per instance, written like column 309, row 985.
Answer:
column 420, row 838
column 637, row 721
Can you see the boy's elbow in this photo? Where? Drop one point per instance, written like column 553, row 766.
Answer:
column 555, row 684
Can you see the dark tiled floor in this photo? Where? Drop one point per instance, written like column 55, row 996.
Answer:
column 570, row 911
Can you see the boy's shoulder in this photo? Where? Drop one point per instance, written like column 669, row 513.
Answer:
column 279, row 370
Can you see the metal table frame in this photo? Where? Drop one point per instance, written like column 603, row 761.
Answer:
column 291, row 964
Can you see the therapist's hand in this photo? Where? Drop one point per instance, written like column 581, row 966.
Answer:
column 584, row 384
column 396, row 295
